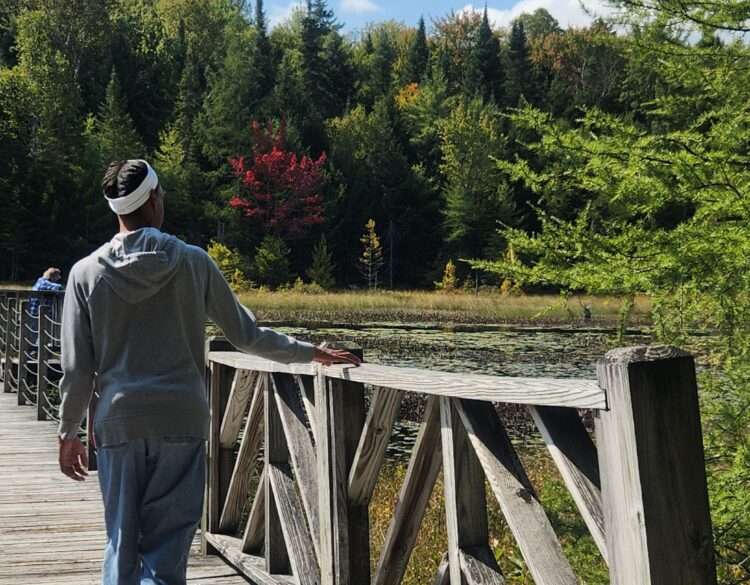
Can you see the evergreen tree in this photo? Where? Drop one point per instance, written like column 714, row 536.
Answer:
column 326, row 68
column 114, row 131
column 417, row 56
column 518, row 76
column 189, row 102
column 484, row 75
column 476, row 195
column 234, row 93
column 321, row 271
column 263, row 60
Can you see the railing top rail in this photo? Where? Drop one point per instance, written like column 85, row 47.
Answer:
column 27, row 292
column 571, row 392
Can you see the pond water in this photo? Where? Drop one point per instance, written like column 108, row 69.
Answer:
column 501, row 350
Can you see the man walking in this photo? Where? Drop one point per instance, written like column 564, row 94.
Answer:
column 133, row 325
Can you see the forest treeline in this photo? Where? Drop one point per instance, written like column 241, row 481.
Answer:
column 398, row 124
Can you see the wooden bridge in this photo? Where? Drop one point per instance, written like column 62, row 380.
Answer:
column 296, row 451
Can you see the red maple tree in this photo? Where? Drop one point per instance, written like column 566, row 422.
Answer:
column 280, row 190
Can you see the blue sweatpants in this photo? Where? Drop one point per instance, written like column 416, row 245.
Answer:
column 153, row 500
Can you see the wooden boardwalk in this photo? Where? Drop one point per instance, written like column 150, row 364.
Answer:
column 51, row 528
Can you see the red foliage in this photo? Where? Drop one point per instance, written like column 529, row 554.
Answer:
column 279, row 189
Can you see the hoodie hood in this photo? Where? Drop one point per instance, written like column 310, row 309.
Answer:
column 139, row 264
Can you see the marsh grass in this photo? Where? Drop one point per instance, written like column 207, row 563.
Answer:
column 431, row 543
column 424, row 306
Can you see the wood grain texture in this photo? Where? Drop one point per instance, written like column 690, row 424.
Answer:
column 463, row 483
column 479, row 567
column 218, row 380
column 657, row 521
column 340, row 518
column 275, row 453
column 255, row 529
column 525, row 516
column 373, row 443
column 301, row 449
column 544, row 391
column 575, row 455
column 246, row 460
column 250, row 565
column 307, row 391
column 52, row 528
column 324, row 457
column 413, row 498
column 357, row 516
column 242, row 389
column 299, row 545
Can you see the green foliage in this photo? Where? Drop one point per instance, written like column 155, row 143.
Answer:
column 417, row 56
column 232, row 266
column 321, row 271
column 539, row 23
column 377, row 181
column 113, row 131
column 271, row 262
column 476, row 196
column 518, row 82
column 235, row 90
column 485, row 76
column 661, row 211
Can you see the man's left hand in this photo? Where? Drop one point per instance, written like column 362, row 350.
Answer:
column 74, row 459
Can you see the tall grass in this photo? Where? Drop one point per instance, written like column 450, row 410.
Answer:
column 431, row 306
column 431, row 543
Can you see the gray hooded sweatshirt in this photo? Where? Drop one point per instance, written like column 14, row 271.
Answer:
column 134, row 321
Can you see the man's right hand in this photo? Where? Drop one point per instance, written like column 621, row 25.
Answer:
column 327, row 357
column 74, row 459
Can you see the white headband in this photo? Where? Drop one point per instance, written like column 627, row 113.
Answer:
column 132, row 201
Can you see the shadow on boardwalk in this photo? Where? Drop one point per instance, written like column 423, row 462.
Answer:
column 52, row 529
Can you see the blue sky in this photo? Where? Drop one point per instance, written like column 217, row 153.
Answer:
column 356, row 13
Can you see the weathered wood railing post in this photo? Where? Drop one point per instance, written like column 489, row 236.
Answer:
column 42, row 358
column 344, row 526
column 218, row 461
column 657, row 522
column 9, row 324
column 24, row 347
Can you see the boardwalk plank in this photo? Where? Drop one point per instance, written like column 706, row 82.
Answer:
column 52, row 529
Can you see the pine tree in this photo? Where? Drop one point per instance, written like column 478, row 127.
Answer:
column 235, row 90
column 114, row 131
column 327, row 73
column 371, row 260
column 263, row 61
column 189, row 102
column 518, row 79
column 321, row 271
column 417, row 56
column 484, row 75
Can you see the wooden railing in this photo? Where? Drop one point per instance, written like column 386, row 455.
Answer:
column 30, row 353
column 641, row 488
column 294, row 457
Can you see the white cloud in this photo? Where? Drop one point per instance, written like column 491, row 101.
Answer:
column 567, row 12
column 278, row 13
column 359, row 6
